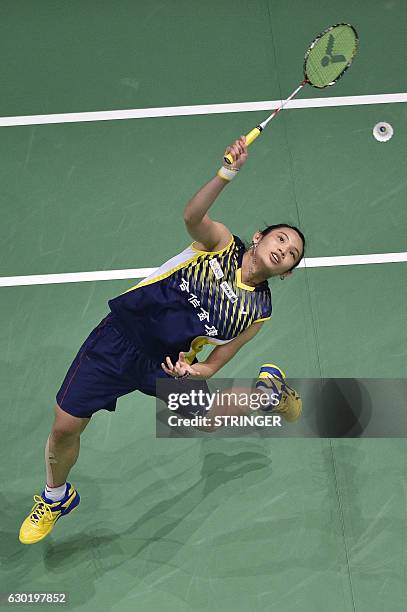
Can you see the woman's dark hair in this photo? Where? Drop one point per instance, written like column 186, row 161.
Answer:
column 268, row 229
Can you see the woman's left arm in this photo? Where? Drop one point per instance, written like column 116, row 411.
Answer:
column 219, row 357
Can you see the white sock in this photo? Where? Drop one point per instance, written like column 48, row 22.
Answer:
column 55, row 493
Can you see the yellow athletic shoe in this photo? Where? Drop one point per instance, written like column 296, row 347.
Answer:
column 286, row 401
column 45, row 513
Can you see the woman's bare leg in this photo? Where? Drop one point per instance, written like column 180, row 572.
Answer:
column 62, row 447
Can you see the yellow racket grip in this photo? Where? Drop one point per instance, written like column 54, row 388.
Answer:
column 250, row 137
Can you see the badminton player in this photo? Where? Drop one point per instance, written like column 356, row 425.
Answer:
column 214, row 292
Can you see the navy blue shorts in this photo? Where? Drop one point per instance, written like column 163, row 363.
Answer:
column 107, row 366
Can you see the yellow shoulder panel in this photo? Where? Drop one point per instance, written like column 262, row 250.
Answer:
column 213, row 252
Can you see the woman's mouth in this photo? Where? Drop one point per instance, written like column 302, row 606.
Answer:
column 274, row 258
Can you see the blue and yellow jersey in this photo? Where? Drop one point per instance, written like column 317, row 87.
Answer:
column 193, row 299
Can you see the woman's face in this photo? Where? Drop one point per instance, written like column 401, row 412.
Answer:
column 278, row 251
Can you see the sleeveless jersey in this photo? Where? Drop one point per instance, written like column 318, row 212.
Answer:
column 193, row 299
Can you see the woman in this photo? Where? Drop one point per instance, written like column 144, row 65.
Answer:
column 215, row 291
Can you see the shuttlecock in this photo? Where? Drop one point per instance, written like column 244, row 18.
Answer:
column 383, row 131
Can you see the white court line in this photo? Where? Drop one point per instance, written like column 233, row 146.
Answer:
column 200, row 109
column 352, row 260
column 80, row 277
column 73, row 277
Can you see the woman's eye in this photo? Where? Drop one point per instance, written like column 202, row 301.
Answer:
column 291, row 253
column 281, row 239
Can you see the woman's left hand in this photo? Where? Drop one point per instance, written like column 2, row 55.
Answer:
column 180, row 368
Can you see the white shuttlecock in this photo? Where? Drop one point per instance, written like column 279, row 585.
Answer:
column 383, row 131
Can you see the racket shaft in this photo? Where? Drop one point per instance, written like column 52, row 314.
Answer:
column 253, row 134
column 267, row 121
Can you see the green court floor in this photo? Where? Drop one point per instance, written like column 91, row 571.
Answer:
column 211, row 524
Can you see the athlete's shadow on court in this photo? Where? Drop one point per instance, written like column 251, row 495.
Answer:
column 343, row 528
column 162, row 530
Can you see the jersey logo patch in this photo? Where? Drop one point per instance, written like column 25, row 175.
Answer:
column 216, row 269
column 228, row 291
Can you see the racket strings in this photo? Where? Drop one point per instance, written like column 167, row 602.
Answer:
column 330, row 55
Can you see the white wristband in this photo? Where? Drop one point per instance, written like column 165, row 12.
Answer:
column 227, row 174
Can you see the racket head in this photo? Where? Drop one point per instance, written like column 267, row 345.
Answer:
column 330, row 54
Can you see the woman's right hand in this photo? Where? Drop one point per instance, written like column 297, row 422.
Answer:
column 240, row 154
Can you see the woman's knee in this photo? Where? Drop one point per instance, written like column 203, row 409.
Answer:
column 66, row 426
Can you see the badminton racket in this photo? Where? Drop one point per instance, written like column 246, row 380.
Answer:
column 327, row 58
